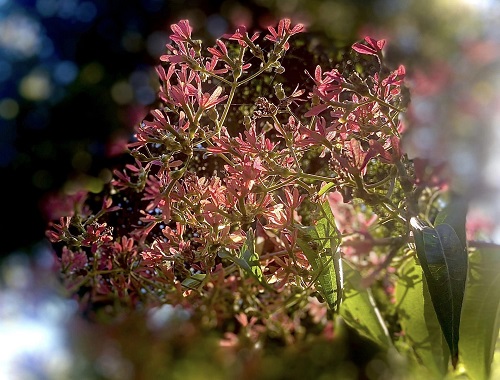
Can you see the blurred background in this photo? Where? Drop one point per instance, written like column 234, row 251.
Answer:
column 76, row 76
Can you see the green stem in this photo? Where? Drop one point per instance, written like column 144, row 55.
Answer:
column 280, row 185
column 313, row 177
column 234, row 85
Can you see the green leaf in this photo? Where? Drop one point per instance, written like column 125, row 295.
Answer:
column 326, row 228
column 248, row 259
column 194, row 281
column 360, row 311
column 444, row 262
column 320, row 245
column 250, row 256
column 325, row 188
column 454, row 214
column 324, row 265
column 419, row 323
column 481, row 313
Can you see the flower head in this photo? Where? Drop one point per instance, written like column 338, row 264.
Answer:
column 371, row 46
column 182, row 31
column 283, row 32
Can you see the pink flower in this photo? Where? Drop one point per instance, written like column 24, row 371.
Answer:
column 396, row 77
column 359, row 158
column 73, row 261
column 328, row 87
column 242, row 178
column 107, row 204
column 321, row 135
column 277, row 218
column 241, row 36
column 328, row 84
column 284, row 32
column 389, row 152
column 200, row 180
column 182, row 31
column 206, row 100
column 56, row 205
column 182, row 54
column 253, row 143
column 219, row 53
column 123, row 180
column 372, row 46
column 182, row 92
column 152, row 258
column 283, row 215
column 58, row 231
column 96, row 235
column 212, row 63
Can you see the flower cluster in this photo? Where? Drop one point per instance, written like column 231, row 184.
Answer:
column 212, row 209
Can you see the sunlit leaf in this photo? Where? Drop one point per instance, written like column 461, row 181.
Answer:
column 194, row 281
column 326, row 228
column 481, row 313
column 360, row 311
column 320, row 245
column 324, row 267
column 250, row 256
column 325, row 188
column 419, row 323
column 248, row 259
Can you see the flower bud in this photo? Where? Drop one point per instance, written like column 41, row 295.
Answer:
column 197, row 46
column 279, row 69
column 278, row 90
column 177, row 174
column 237, row 72
column 257, row 52
column 213, row 114
column 247, row 121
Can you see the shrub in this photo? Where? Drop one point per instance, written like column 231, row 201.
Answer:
column 270, row 201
